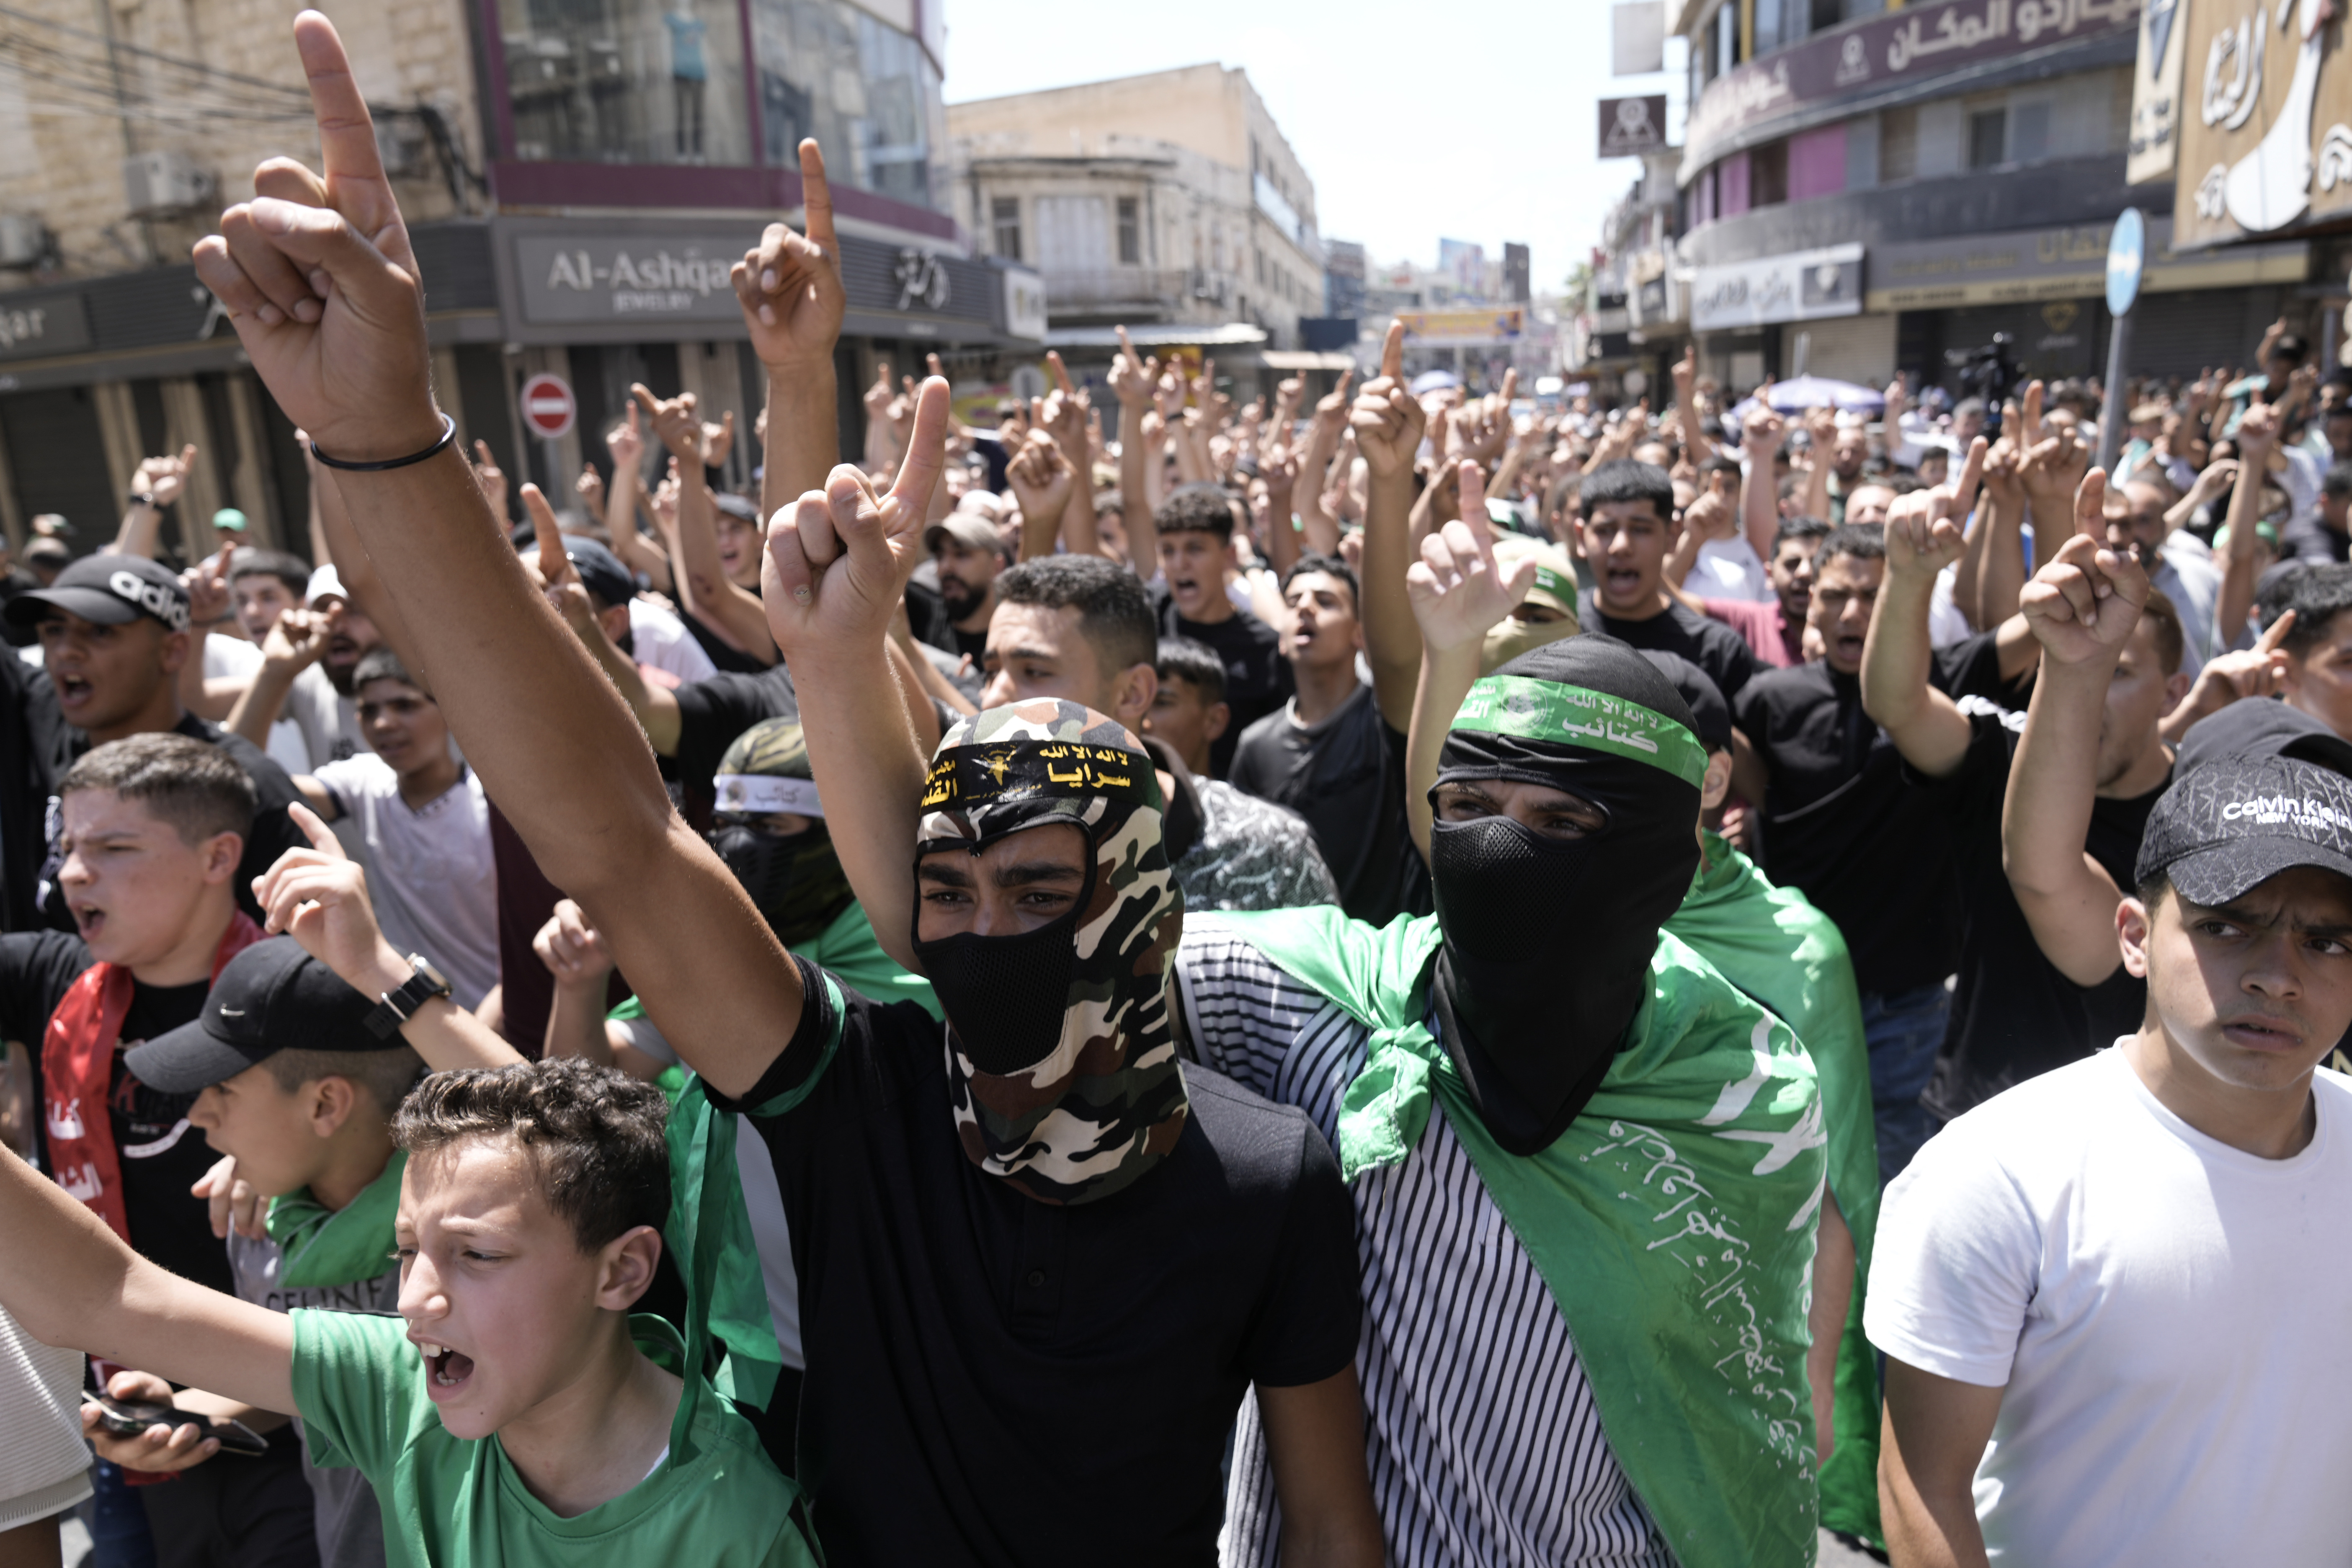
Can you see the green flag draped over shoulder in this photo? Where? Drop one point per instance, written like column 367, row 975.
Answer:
column 1673, row 1221
column 709, row 1232
column 1778, row 948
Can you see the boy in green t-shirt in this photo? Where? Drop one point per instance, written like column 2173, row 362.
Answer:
column 535, row 1421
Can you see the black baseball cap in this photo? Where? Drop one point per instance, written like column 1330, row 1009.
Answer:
column 600, row 570
column 271, row 998
column 112, row 590
column 2259, row 727
column 2236, row 823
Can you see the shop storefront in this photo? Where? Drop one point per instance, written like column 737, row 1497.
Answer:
column 609, row 301
column 2045, row 289
column 98, row 375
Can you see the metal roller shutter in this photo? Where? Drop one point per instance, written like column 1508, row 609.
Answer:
column 59, row 461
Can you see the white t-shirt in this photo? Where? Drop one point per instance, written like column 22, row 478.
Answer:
column 660, row 639
column 1729, row 569
column 429, row 872
column 329, row 720
column 2165, row 1311
column 234, row 658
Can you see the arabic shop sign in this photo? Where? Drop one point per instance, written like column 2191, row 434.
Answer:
column 37, row 327
column 1917, row 43
column 2068, row 263
column 2265, row 122
column 1802, row 286
column 618, row 275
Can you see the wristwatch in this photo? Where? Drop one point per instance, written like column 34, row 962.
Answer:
column 145, row 499
column 423, row 984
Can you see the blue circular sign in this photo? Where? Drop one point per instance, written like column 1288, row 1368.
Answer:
column 2127, row 255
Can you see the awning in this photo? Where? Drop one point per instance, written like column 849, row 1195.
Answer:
column 1156, row 334
column 1306, row 359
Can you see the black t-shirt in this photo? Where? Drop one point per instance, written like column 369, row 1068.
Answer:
column 273, row 832
column 2014, row 1015
column 1346, row 777
column 1715, row 647
column 1841, row 823
column 972, row 644
column 161, row 1156
column 1257, row 677
column 723, row 654
column 995, row 1380
column 713, row 712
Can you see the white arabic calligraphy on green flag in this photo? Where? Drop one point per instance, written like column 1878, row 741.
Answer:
column 1578, row 716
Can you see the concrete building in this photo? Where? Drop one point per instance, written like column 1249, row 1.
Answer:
column 1169, row 202
column 1897, row 184
column 578, row 174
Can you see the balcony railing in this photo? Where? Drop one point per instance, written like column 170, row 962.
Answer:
column 1133, row 289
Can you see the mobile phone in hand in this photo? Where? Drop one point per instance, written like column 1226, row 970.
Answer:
column 129, row 1418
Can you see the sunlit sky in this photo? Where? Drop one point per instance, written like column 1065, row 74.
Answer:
column 1413, row 121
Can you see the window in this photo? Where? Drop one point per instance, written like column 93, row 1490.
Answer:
column 2029, row 140
column 1131, row 231
column 1005, row 216
column 1073, row 234
column 1898, row 144
column 1988, row 137
column 1726, row 38
column 626, row 82
column 1768, row 174
column 866, row 91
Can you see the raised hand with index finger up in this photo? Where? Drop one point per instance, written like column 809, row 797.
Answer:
column 319, row 279
column 1458, row 591
column 2084, row 603
column 790, row 284
column 838, row 560
column 1387, row 418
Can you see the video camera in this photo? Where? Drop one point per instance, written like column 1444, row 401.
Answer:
column 1989, row 372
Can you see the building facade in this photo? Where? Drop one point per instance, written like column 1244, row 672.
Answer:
column 1170, row 202
column 579, row 174
column 1873, row 190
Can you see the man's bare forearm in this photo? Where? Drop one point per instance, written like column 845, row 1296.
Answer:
column 92, row 1293
column 2068, row 899
column 803, row 435
column 2000, row 577
column 1391, row 640
column 264, row 700
column 869, row 771
column 1445, row 679
column 560, row 752
column 1135, row 492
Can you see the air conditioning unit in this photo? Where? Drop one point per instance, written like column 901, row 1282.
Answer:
column 157, row 184
column 24, row 240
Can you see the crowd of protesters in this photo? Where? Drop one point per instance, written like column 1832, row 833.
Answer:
column 1405, row 976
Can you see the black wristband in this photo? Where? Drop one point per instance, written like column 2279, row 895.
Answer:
column 448, row 433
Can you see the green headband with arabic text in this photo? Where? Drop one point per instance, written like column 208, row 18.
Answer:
column 1578, row 716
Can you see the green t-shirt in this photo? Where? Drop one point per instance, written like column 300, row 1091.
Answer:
column 448, row 1501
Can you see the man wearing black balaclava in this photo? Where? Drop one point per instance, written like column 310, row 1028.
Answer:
column 1586, row 1169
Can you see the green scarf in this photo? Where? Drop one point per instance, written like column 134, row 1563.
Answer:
column 322, row 1247
column 1673, row 1221
column 710, row 1233
column 1772, row 944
